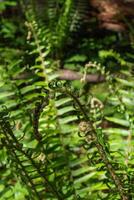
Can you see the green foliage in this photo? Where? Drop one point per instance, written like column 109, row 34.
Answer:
column 4, row 4
column 59, row 140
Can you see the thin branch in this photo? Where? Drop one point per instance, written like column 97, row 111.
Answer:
column 66, row 74
column 73, row 75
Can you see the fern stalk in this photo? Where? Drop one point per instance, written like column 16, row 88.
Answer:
column 6, row 129
column 102, row 152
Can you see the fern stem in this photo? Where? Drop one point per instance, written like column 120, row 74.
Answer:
column 36, row 117
column 38, row 48
column 55, row 192
column 18, row 162
column 110, row 168
column 79, row 104
column 7, row 129
column 102, row 152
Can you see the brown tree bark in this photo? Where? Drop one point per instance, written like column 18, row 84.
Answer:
column 111, row 14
